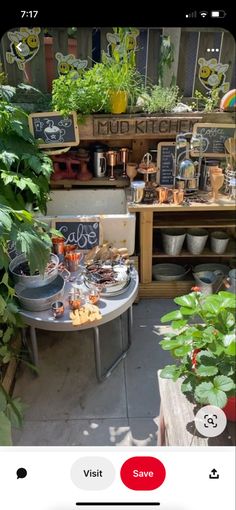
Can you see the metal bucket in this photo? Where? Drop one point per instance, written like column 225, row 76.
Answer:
column 219, row 241
column 173, row 240
column 209, row 281
column 196, row 240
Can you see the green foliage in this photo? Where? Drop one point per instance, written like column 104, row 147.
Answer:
column 90, row 92
column 24, row 181
column 161, row 99
column 205, row 352
column 166, row 58
column 24, row 169
column 3, row 77
column 208, row 102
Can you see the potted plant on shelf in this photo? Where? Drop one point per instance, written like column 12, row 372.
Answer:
column 204, row 351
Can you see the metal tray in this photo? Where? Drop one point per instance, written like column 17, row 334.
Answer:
column 41, row 298
column 108, row 293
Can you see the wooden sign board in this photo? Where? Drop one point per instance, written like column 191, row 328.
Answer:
column 84, row 231
column 54, row 129
column 165, row 159
column 214, row 136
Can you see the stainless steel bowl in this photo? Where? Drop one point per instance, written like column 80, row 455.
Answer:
column 169, row 272
column 39, row 299
column 34, row 280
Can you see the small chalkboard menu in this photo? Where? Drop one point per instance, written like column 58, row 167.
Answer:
column 213, row 139
column 165, row 159
column 84, row 231
column 54, row 129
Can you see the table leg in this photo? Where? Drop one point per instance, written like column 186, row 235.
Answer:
column 34, row 346
column 97, row 350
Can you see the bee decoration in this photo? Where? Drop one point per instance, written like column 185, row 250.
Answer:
column 212, row 74
column 68, row 63
column 23, row 47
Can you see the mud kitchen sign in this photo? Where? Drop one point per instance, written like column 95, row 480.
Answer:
column 54, row 129
column 104, row 126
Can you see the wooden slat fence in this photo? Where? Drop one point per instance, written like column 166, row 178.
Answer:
column 189, row 45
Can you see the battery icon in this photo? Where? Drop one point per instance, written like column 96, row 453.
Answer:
column 218, row 14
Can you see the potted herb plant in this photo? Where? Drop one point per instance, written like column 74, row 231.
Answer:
column 202, row 343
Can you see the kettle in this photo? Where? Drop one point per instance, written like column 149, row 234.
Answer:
column 99, row 161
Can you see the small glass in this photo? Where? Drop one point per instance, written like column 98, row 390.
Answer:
column 93, row 295
column 73, row 260
column 57, row 309
column 75, row 299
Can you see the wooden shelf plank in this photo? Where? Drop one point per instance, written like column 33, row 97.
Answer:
column 165, row 289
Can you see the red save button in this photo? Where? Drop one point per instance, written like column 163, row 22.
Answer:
column 142, row 473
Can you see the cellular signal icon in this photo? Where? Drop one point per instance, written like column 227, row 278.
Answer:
column 192, row 14
column 203, row 14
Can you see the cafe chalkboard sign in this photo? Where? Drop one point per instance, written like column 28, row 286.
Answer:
column 84, row 231
column 54, row 129
column 165, row 158
column 213, row 139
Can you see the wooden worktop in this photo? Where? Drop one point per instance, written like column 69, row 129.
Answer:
column 222, row 204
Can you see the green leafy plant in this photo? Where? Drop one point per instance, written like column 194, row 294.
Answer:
column 24, row 169
column 166, row 58
column 204, row 352
column 208, row 102
column 24, row 182
column 161, row 99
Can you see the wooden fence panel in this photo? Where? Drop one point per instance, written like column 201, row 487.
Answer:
column 154, row 44
column 171, row 72
column 84, row 44
column 14, row 75
column 59, row 44
column 228, row 56
column 187, row 62
column 37, row 67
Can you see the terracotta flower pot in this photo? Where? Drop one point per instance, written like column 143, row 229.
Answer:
column 230, row 409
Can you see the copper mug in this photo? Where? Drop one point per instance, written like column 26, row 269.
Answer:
column 163, row 194
column 178, row 196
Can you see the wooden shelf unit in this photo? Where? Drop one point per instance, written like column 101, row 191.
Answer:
column 93, row 183
column 158, row 216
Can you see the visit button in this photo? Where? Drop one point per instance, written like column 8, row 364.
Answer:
column 142, row 473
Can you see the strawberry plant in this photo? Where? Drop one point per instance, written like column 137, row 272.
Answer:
column 202, row 342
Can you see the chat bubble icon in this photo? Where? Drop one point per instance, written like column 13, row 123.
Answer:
column 21, row 473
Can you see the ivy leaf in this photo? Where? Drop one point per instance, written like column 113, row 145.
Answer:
column 14, row 412
column 5, row 430
column 5, row 219
column 36, row 251
column 8, row 158
column 206, row 371
column 3, row 400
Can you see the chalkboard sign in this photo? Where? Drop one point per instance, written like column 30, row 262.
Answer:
column 54, row 129
column 84, row 231
column 165, row 155
column 214, row 136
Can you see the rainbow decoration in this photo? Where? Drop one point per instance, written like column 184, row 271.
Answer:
column 228, row 101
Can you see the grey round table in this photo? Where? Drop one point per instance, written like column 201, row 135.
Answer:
column 110, row 307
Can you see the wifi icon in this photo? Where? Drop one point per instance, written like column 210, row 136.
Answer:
column 203, row 14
